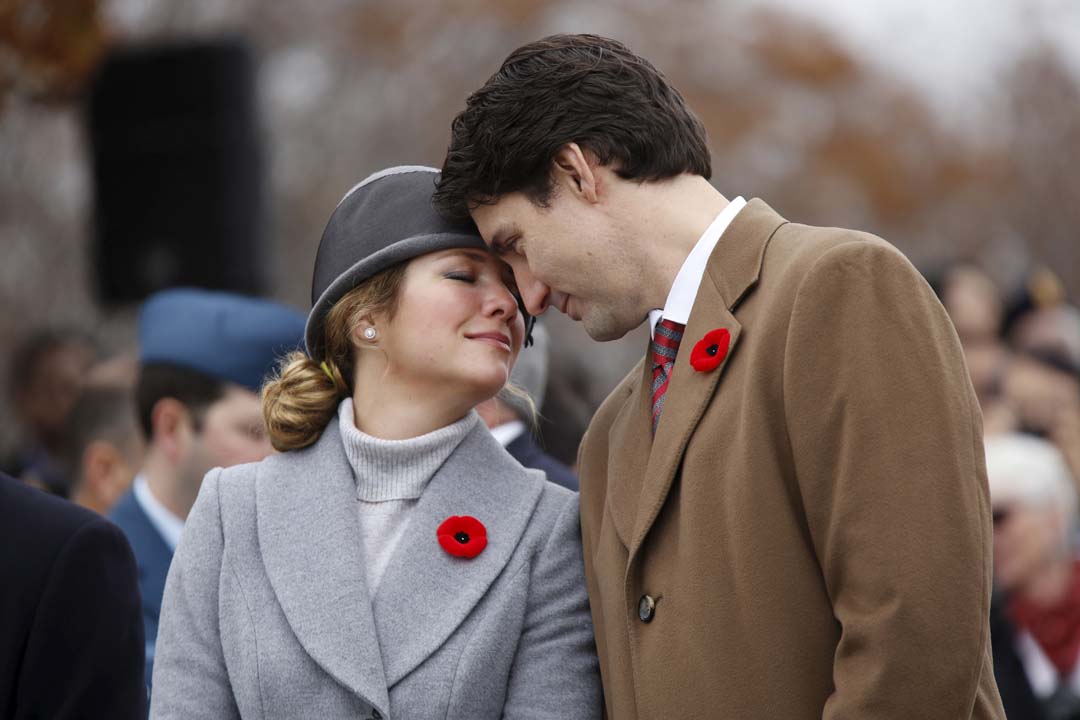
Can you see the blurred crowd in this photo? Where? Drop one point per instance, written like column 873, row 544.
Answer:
column 1023, row 354
column 86, row 414
column 129, row 436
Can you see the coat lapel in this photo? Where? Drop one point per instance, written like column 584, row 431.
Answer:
column 732, row 271
column 628, row 453
column 152, row 555
column 425, row 593
column 689, row 393
column 310, row 539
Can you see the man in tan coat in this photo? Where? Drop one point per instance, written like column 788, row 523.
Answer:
column 784, row 506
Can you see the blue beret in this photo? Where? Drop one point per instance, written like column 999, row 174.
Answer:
column 230, row 337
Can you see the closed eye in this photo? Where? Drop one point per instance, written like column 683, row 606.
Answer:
column 462, row 276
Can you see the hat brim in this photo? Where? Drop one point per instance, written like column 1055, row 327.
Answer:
column 372, row 265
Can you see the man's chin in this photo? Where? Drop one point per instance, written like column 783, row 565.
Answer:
column 605, row 329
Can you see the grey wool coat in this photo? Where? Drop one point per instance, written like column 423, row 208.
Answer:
column 266, row 613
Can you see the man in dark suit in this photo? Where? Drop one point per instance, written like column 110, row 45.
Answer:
column 71, row 636
column 511, row 415
column 202, row 357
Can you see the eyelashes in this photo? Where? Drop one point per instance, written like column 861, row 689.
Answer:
column 471, row 278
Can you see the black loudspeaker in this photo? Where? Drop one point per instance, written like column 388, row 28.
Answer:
column 177, row 170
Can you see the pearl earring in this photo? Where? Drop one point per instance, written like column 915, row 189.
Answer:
column 370, row 333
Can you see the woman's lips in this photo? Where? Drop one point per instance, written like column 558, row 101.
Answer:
column 499, row 340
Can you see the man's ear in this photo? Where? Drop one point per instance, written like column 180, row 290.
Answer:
column 576, row 168
column 102, row 467
column 95, row 465
column 172, row 426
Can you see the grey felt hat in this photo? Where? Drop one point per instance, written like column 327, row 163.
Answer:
column 385, row 219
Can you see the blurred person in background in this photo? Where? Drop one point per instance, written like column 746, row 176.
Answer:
column 783, row 507
column 1052, row 331
column 71, row 635
column 1039, row 319
column 119, row 370
column 976, row 308
column 988, row 365
column 566, row 412
column 46, row 372
column 1043, row 390
column 1024, row 358
column 974, row 304
column 512, row 419
column 104, row 446
column 1037, row 634
column 1041, row 383
column 202, row 359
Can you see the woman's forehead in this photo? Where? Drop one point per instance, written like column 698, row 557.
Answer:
column 473, row 254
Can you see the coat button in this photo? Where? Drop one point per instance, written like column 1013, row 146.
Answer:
column 646, row 608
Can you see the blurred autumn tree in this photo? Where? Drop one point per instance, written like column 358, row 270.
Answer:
column 1042, row 193
column 49, row 48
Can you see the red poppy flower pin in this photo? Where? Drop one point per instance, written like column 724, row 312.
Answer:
column 462, row 536
column 710, row 350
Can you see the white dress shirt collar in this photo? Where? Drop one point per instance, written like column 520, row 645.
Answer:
column 680, row 301
column 168, row 525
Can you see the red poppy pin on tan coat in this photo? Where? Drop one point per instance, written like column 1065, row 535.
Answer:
column 710, row 350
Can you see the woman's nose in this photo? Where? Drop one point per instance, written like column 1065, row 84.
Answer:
column 501, row 302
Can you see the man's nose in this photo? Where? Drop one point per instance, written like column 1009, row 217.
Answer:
column 534, row 293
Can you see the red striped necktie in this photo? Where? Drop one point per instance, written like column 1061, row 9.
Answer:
column 664, row 347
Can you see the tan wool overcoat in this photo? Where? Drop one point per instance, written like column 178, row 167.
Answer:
column 808, row 535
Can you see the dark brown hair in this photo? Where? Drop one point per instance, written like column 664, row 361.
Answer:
column 195, row 390
column 585, row 89
column 102, row 412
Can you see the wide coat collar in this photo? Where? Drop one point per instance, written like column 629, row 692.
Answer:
column 642, row 467
column 308, row 529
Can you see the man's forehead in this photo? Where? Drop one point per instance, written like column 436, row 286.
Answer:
column 495, row 225
column 484, row 213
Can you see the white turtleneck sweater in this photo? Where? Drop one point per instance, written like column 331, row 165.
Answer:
column 390, row 476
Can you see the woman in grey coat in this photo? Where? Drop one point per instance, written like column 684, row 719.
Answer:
column 393, row 561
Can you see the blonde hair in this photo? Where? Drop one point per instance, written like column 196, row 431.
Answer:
column 303, row 395
column 521, row 402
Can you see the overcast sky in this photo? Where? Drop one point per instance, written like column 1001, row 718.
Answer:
column 954, row 49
